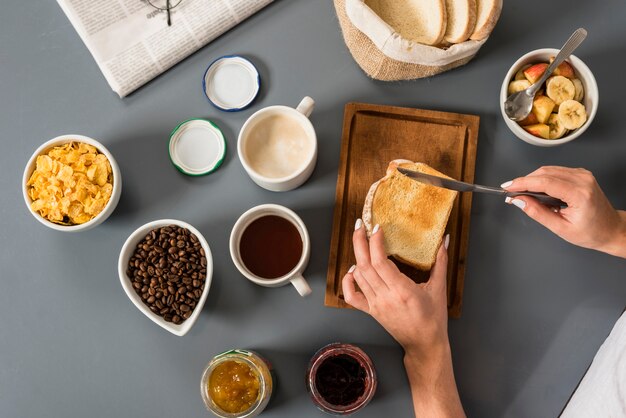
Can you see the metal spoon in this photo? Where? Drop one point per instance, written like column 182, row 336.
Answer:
column 518, row 105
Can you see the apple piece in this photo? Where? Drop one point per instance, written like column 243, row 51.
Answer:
column 518, row 85
column 531, row 119
column 534, row 72
column 542, row 107
column 520, row 74
column 564, row 69
column 540, row 129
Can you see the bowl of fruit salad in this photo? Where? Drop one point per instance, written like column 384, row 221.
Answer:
column 564, row 106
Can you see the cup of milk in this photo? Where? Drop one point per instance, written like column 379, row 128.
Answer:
column 277, row 146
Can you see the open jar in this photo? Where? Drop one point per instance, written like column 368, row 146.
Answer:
column 237, row 384
column 341, row 379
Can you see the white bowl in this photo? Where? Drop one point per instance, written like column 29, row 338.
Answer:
column 590, row 100
column 113, row 200
column 127, row 251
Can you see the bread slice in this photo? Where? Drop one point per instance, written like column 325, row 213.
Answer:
column 413, row 215
column 422, row 21
column 487, row 14
column 461, row 15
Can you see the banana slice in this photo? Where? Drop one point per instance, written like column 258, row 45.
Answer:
column 518, row 85
column 572, row 114
column 520, row 74
column 580, row 91
column 560, row 89
column 557, row 130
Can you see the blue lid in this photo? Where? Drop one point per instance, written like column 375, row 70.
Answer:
column 231, row 83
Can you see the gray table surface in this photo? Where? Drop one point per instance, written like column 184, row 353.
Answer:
column 536, row 309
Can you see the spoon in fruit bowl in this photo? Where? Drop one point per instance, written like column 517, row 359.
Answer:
column 518, row 105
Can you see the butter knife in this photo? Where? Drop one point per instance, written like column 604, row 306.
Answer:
column 460, row 186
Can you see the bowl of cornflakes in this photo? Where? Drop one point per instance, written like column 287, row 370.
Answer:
column 71, row 183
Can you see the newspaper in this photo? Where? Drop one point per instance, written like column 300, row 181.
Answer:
column 132, row 42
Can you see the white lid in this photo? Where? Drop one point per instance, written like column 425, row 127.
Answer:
column 197, row 147
column 231, row 83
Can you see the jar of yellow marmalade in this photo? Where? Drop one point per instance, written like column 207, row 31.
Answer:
column 237, row 384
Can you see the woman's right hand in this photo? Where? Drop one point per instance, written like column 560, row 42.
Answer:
column 589, row 220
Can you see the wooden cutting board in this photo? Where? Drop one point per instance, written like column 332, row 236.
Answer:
column 373, row 135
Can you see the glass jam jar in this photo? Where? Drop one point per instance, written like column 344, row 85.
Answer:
column 237, row 384
column 341, row 379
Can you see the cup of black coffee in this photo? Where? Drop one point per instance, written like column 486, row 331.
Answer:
column 270, row 246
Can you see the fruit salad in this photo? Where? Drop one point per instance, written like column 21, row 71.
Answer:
column 557, row 107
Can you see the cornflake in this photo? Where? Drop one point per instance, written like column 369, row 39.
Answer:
column 71, row 184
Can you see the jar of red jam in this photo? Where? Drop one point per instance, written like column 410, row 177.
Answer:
column 341, row 379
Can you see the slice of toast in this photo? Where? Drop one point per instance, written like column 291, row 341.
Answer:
column 413, row 215
column 461, row 15
column 487, row 14
column 422, row 21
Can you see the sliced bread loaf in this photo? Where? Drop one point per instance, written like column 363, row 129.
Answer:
column 412, row 215
column 461, row 16
column 422, row 21
column 487, row 14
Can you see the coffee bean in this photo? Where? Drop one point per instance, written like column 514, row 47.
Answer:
column 168, row 271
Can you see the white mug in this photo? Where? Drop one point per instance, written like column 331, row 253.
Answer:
column 295, row 276
column 255, row 125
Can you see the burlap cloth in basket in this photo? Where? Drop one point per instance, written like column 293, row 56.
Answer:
column 384, row 55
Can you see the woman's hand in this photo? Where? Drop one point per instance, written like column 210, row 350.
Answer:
column 414, row 314
column 589, row 220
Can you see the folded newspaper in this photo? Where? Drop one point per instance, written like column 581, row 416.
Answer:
column 132, row 42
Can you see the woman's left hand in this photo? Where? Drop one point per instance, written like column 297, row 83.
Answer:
column 415, row 314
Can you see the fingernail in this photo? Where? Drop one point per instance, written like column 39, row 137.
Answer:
column 519, row 203
column 376, row 228
column 352, row 269
column 506, row 184
column 358, row 224
column 508, row 199
column 446, row 241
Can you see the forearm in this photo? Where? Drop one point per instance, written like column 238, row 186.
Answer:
column 433, row 387
column 617, row 245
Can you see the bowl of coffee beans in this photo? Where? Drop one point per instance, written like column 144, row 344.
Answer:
column 165, row 268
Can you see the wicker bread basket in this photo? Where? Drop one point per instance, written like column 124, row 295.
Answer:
column 384, row 55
